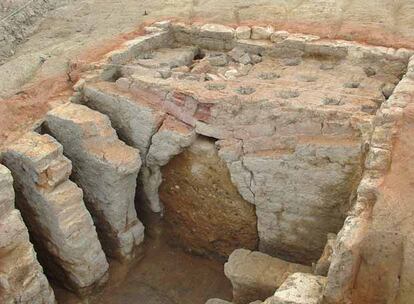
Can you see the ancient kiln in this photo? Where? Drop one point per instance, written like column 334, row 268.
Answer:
column 241, row 138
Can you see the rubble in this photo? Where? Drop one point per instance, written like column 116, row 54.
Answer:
column 262, row 32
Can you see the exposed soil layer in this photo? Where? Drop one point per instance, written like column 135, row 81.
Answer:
column 207, row 218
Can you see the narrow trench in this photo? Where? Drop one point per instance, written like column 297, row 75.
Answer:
column 163, row 273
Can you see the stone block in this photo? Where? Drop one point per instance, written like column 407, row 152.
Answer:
column 258, row 47
column 255, row 176
column 243, row 32
column 164, row 24
column 300, row 288
column 106, row 169
column 135, row 119
column 345, row 262
column 256, row 276
column 53, row 208
column 262, row 32
column 152, row 29
column 130, row 49
column 217, row 31
column 279, row 36
column 378, row 159
column 170, row 140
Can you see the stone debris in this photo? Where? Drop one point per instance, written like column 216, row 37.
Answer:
column 239, row 55
column 279, row 36
column 217, row 31
column 202, row 67
column 52, row 206
column 262, row 32
column 231, row 74
column 17, row 256
column 136, row 121
column 300, row 288
column 256, row 276
column 217, row 59
column 388, row 89
column 170, row 140
column 106, row 169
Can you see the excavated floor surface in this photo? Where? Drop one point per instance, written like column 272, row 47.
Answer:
column 165, row 275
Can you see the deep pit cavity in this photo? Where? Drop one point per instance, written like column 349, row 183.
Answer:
column 243, row 145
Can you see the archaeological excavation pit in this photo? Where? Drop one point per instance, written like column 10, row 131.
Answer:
column 195, row 145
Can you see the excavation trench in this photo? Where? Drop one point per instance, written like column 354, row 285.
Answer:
column 196, row 145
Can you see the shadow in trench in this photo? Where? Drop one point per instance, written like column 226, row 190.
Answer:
column 165, row 274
